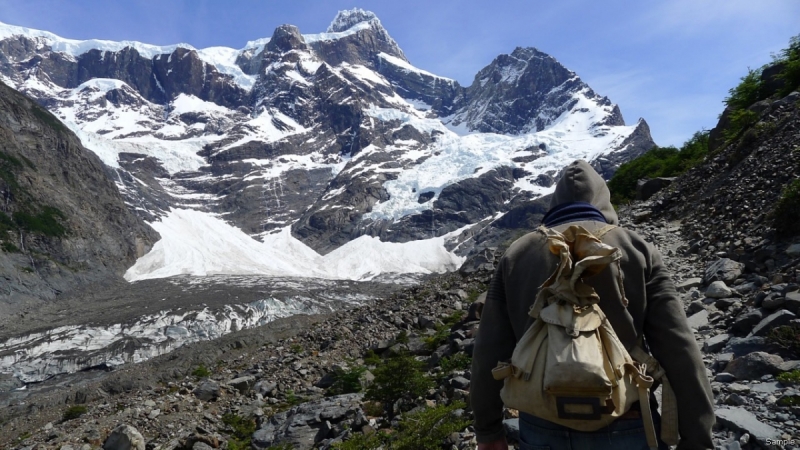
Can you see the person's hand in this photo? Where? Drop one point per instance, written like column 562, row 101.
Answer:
column 500, row 444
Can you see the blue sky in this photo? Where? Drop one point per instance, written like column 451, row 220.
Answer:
column 671, row 61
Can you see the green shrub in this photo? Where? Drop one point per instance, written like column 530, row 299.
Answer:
column 201, row 372
column 787, row 336
column 48, row 118
column 46, row 222
column 792, row 377
column 241, row 431
column 293, row 399
column 371, row 358
column 73, row 412
column 427, row 429
column 786, row 217
column 459, row 361
column 752, row 89
column 395, row 378
column 790, row 74
column 748, row 91
column 8, row 247
column 361, row 441
column 422, row 430
column 658, row 162
column 789, row 400
column 284, row 446
column 402, row 337
column 348, row 380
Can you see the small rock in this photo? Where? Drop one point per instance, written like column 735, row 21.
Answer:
column 718, row 289
column 725, row 377
column 687, row 284
column 793, row 250
column 716, row 343
column 773, row 301
column 698, row 320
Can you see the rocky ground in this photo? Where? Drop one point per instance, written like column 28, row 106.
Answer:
column 276, row 378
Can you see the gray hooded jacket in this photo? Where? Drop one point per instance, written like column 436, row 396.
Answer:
column 654, row 311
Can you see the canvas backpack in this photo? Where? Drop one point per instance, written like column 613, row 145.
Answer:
column 570, row 367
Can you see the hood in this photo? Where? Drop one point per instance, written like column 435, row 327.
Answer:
column 580, row 183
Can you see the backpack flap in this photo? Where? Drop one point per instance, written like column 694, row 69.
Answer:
column 575, row 366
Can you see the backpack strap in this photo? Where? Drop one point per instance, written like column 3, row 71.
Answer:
column 669, row 404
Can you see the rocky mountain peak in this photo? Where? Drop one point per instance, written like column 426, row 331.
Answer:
column 347, row 19
column 286, row 38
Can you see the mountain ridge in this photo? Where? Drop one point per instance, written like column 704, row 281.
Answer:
column 332, row 135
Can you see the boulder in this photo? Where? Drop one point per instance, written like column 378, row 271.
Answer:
column 744, row 323
column 775, row 319
column 793, row 250
column 739, row 419
column 307, row 424
column 207, row 390
column 646, row 188
column 243, row 384
column 792, row 302
column 723, row 269
column 124, row 437
column 740, row 346
column 754, row 365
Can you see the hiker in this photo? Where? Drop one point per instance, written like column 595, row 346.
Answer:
column 654, row 311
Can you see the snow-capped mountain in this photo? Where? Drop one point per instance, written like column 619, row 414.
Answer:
column 331, row 142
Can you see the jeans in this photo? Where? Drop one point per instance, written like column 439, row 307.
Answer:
column 622, row 434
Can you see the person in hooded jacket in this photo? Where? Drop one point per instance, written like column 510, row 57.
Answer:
column 654, row 311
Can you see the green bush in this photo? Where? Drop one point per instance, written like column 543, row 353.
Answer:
column 658, row 162
column 459, row 361
column 395, row 378
column 201, row 372
column 427, row 429
column 46, row 222
column 786, row 217
column 371, row 358
column 402, row 337
column 749, row 90
column 752, row 89
column 73, row 412
column 790, row 74
column 48, row 118
column 361, row 441
column 348, row 380
column 792, row 377
column 293, row 399
column 787, row 336
column 422, row 430
column 241, row 431
column 9, row 247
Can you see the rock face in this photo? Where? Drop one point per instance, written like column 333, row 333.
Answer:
column 63, row 223
column 335, row 135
